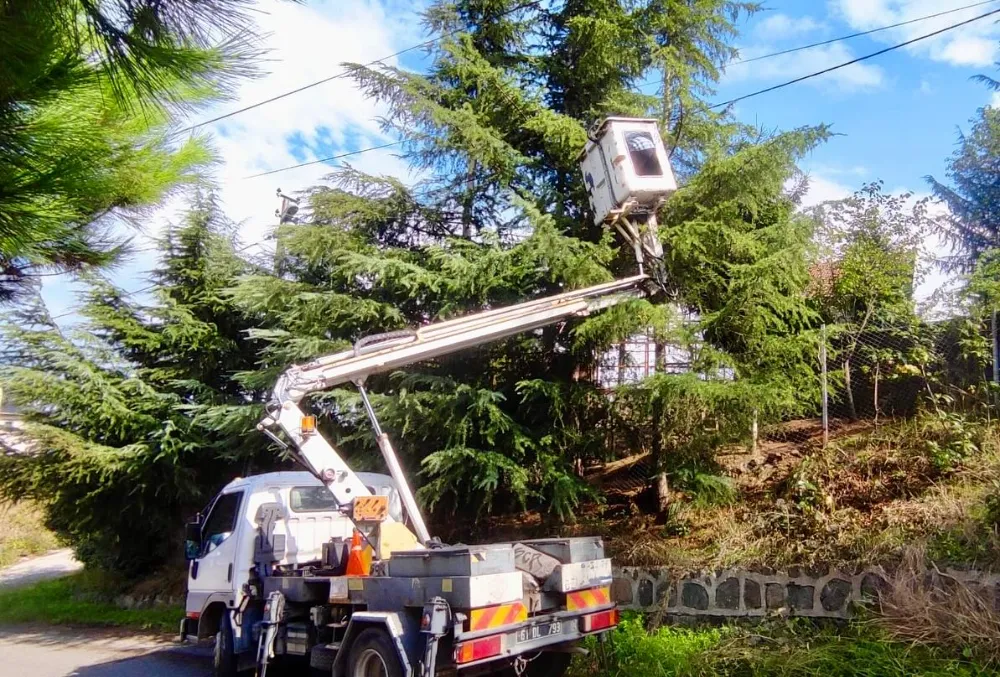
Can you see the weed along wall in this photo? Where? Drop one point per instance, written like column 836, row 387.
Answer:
column 815, row 592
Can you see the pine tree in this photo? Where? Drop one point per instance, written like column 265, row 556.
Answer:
column 973, row 197
column 87, row 91
column 497, row 127
column 133, row 418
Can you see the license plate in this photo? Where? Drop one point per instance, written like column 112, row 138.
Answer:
column 539, row 631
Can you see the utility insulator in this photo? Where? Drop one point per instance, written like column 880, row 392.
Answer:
column 288, row 209
column 626, row 168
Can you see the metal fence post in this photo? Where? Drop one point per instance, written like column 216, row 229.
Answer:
column 823, row 386
column 996, row 351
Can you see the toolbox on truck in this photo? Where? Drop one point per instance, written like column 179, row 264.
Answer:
column 459, row 560
column 569, row 550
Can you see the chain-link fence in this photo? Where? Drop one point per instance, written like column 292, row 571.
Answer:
column 875, row 374
column 867, row 375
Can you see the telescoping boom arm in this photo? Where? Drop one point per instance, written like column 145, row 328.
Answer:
column 378, row 354
column 627, row 173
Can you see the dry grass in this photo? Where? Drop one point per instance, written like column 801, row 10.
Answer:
column 22, row 533
column 862, row 501
column 924, row 606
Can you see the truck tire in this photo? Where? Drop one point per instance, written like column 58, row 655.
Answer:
column 373, row 654
column 224, row 657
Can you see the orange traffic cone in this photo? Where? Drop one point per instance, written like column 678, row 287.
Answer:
column 356, row 561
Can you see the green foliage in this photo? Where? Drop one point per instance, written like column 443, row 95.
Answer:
column 972, row 196
column 132, row 416
column 736, row 254
column 161, row 399
column 501, row 216
column 949, row 438
column 690, row 418
column 662, row 652
column 85, row 102
column 779, row 648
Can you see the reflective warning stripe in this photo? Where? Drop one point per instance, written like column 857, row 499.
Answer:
column 497, row 616
column 586, row 599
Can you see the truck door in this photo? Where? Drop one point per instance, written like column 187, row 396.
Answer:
column 214, row 568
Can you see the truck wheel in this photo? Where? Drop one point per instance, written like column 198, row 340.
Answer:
column 224, row 658
column 374, row 655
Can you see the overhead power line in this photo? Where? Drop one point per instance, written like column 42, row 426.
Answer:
column 862, row 33
column 347, row 71
column 717, row 105
column 831, row 41
column 854, row 61
column 326, row 159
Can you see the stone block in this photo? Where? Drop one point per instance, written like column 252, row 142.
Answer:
column 751, row 594
column 873, row 586
column 621, row 591
column 694, row 596
column 645, row 593
column 775, row 595
column 835, row 594
column 727, row 594
column 794, row 572
column 800, row 597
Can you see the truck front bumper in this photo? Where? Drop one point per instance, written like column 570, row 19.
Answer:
column 189, row 627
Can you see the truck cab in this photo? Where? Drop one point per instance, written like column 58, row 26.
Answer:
column 221, row 543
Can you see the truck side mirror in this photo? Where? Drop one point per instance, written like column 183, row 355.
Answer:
column 192, row 540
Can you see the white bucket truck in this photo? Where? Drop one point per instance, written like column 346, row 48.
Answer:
column 272, row 574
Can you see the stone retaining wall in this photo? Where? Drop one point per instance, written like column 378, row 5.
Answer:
column 815, row 591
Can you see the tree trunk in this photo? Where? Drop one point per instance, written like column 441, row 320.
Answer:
column 659, row 460
column 851, row 411
column 662, row 493
column 468, row 201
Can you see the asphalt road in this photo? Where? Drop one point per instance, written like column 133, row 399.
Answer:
column 53, row 565
column 66, row 652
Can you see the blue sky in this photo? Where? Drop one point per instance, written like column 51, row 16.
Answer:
column 897, row 115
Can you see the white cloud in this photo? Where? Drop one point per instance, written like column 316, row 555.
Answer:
column 303, row 43
column 779, row 26
column 972, row 45
column 926, row 87
column 307, row 43
column 853, row 171
column 822, row 189
column 995, row 100
column 789, row 66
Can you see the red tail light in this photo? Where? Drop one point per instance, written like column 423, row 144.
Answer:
column 478, row 649
column 599, row 621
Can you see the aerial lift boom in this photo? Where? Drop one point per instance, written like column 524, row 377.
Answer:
column 627, row 174
column 385, row 352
